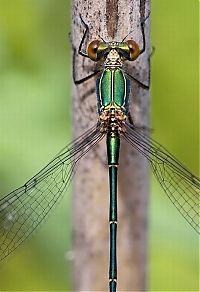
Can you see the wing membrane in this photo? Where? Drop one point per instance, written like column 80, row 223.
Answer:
column 180, row 185
column 22, row 210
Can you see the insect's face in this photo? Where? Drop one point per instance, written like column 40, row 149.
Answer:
column 98, row 50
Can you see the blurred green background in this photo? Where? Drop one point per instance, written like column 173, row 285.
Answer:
column 35, row 122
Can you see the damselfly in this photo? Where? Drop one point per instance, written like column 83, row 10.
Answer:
column 25, row 208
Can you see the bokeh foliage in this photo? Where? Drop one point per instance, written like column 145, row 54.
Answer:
column 35, row 122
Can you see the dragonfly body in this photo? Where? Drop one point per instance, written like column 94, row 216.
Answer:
column 113, row 94
column 22, row 210
column 113, row 89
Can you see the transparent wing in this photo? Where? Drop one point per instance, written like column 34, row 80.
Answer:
column 180, row 185
column 22, row 210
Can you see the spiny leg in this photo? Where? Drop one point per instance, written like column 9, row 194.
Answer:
column 144, row 128
column 82, row 80
column 142, row 23
column 83, row 54
column 141, row 84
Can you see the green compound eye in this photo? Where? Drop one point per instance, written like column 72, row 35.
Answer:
column 133, row 49
column 93, row 49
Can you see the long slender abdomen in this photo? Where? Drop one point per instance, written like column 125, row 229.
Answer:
column 113, row 146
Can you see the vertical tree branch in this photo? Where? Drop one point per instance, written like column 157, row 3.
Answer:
column 111, row 20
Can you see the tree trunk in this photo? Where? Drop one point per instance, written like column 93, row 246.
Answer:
column 110, row 20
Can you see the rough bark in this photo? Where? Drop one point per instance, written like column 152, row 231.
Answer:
column 111, row 20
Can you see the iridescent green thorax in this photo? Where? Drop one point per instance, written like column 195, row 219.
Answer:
column 112, row 90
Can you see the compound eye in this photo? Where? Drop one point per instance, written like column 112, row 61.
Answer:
column 133, row 49
column 93, row 49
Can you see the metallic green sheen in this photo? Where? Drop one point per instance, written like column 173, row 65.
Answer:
column 102, row 49
column 119, row 88
column 113, row 89
column 112, row 286
column 113, row 251
column 123, row 47
column 113, row 193
column 113, row 146
column 105, row 88
column 124, row 50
